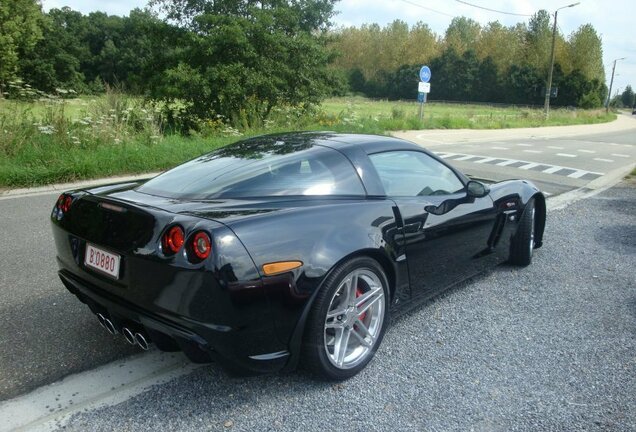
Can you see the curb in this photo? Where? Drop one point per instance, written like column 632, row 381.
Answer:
column 61, row 187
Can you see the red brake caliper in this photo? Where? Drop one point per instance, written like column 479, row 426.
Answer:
column 363, row 315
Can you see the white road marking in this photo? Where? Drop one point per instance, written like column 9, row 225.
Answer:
column 524, row 165
column 586, row 151
column 500, row 148
column 613, row 144
column 484, row 160
column 506, row 162
column 528, row 166
column 51, row 406
column 524, row 145
column 577, row 174
column 603, row 160
column 566, row 155
column 552, row 170
column 533, row 151
column 620, row 155
column 555, row 147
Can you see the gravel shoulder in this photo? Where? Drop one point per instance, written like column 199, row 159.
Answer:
column 548, row 347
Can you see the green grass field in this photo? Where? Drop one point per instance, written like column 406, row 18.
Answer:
column 65, row 140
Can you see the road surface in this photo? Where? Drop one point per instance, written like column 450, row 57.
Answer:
column 48, row 334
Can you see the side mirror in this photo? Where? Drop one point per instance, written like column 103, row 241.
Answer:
column 477, row 189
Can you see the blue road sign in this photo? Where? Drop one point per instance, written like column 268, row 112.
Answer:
column 425, row 74
column 420, row 97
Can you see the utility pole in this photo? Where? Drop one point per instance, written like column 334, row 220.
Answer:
column 609, row 93
column 548, row 88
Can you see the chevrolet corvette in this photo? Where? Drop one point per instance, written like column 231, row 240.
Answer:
column 288, row 249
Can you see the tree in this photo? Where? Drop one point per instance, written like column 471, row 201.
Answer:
column 538, row 41
column 19, row 32
column 462, row 34
column 628, row 97
column 240, row 59
column 586, row 52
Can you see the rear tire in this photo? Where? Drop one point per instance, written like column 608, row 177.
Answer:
column 522, row 246
column 347, row 321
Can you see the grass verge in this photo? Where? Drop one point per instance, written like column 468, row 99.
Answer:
column 54, row 141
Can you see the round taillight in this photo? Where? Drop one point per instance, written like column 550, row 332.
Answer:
column 64, row 202
column 172, row 240
column 67, row 203
column 201, row 246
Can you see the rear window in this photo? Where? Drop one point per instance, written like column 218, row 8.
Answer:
column 233, row 172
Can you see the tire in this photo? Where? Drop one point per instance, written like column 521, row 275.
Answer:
column 522, row 245
column 347, row 320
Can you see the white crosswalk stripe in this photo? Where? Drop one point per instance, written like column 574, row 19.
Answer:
column 506, row 162
column 552, row 170
column 544, row 168
column 528, row 166
column 577, row 174
column 484, row 160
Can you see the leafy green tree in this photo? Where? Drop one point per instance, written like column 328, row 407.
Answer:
column 523, row 85
column 462, row 34
column 585, row 52
column 487, row 86
column 627, row 97
column 19, row 32
column 242, row 59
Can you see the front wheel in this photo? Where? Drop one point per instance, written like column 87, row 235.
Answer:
column 522, row 245
column 347, row 320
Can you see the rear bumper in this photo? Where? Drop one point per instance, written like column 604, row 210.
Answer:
column 201, row 342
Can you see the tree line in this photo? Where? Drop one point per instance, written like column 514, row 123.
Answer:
column 470, row 62
column 240, row 59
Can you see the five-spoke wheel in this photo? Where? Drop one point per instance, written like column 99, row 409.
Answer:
column 347, row 320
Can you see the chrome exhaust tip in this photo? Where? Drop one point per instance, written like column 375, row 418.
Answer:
column 128, row 335
column 102, row 320
column 110, row 326
column 141, row 341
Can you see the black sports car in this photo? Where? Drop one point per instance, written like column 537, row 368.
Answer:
column 287, row 248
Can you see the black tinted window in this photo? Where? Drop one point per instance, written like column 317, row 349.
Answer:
column 247, row 170
column 411, row 173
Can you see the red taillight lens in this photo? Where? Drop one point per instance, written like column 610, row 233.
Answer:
column 64, row 202
column 173, row 240
column 201, row 246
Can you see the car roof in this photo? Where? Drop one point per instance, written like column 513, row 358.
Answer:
column 339, row 141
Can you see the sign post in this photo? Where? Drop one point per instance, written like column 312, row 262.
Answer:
column 423, row 87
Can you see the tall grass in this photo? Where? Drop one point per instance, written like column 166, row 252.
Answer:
column 52, row 139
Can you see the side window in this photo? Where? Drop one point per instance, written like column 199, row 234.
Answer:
column 411, row 173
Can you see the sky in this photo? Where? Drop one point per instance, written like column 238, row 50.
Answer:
column 612, row 19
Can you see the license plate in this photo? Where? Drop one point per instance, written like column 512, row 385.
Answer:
column 101, row 260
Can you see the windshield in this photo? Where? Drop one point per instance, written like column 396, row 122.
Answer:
column 246, row 169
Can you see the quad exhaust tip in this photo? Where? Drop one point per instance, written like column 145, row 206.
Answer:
column 102, row 320
column 141, row 341
column 107, row 324
column 129, row 336
column 110, row 326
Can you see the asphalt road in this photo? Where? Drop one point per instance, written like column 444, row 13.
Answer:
column 555, row 164
column 47, row 334
column 550, row 347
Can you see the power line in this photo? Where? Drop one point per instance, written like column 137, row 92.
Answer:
column 428, row 8
column 491, row 10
